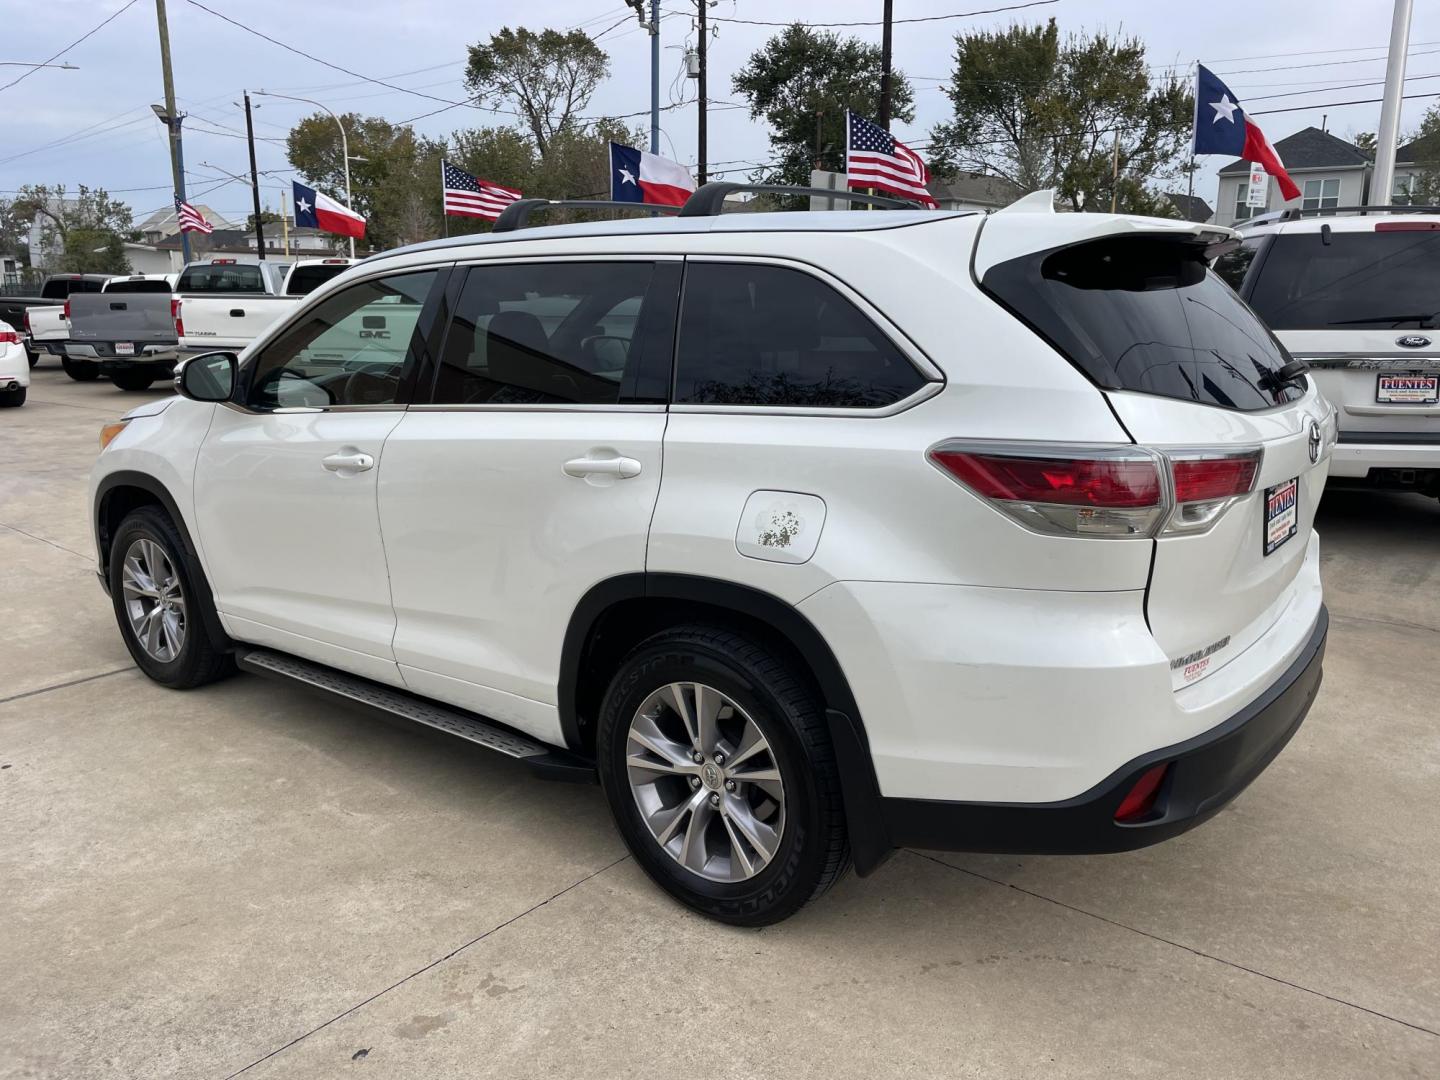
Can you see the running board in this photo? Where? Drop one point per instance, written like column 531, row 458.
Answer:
column 393, row 704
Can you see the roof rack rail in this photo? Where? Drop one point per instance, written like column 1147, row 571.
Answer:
column 1295, row 213
column 517, row 214
column 709, row 199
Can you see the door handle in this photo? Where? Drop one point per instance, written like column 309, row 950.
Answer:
column 237, row 312
column 348, row 463
column 622, row 467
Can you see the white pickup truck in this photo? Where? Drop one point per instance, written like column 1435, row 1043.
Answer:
column 50, row 328
column 225, row 302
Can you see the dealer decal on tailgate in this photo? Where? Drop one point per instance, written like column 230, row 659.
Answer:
column 1282, row 513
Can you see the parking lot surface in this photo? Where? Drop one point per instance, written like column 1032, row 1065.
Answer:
column 243, row 879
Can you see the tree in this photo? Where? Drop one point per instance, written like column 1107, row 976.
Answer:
column 1365, row 140
column 1425, row 187
column 801, row 82
column 382, row 183
column 546, row 77
column 1045, row 113
column 80, row 234
column 267, row 217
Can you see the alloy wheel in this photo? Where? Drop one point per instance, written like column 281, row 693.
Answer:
column 706, row 781
column 154, row 601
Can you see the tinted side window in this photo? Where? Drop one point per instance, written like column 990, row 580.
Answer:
column 560, row 333
column 1146, row 315
column 768, row 335
column 306, row 279
column 351, row 349
column 1234, row 265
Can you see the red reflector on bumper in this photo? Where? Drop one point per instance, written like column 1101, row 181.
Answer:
column 1141, row 799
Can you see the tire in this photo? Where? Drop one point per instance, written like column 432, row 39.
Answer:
column 762, row 689
column 34, row 358
column 132, row 379
column 81, row 370
column 197, row 660
column 12, row 399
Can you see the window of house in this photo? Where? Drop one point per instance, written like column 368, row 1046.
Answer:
column 561, row 333
column 1320, row 194
column 767, row 335
column 1243, row 212
column 1403, row 191
column 351, row 349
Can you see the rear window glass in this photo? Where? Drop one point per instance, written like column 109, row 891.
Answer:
column 767, row 335
column 1376, row 279
column 221, row 278
column 306, row 279
column 60, row 288
column 1148, row 316
column 138, row 286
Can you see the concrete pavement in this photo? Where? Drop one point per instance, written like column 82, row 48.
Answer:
column 244, row 880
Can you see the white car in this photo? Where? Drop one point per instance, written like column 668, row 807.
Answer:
column 14, row 367
column 811, row 534
column 1355, row 293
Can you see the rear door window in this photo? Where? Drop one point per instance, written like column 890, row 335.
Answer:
column 1147, row 315
column 304, row 280
column 1387, row 279
column 753, row 334
column 561, row 333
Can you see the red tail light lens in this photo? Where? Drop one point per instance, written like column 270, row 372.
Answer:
column 1407, row 226
column 67, row 310
column 26, row 320
column 1139, row 803
column 9, row 337
column 1201, row 479
column 175, row 315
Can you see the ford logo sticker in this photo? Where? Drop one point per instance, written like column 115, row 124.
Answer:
column 1412, row 341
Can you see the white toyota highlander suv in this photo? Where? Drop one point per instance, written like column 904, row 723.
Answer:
column 810, row 534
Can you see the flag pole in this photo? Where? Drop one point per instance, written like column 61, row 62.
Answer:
column 1194, row 126
column 444, row 217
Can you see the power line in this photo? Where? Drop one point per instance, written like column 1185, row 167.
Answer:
column 878, row 22
column 1336, row 104
column 72, row 45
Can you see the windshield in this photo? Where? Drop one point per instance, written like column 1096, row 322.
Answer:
column 1145, row 314
column 1387, row 279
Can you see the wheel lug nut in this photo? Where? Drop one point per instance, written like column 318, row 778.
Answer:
column 719, row 759
column 694, row 781
column 729, row 785
column 698, row 758
column 714, row 798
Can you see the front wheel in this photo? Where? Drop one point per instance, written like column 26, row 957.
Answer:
column 81, row 370
column 159, row 604
column 715, row 758
column 132, row 379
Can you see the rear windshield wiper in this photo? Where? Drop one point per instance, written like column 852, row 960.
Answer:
column 1392, row 319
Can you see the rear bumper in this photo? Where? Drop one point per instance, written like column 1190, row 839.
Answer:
column 1206, row 772
column 103, row 352
column 1358, row 452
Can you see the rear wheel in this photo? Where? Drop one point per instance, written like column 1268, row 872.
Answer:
column 10, row 399
column 715, row 758
column 33, row 357
column 132, row 379
column 160, row 609
column 81, row 370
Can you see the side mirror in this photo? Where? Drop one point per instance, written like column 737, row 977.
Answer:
column 208, row 377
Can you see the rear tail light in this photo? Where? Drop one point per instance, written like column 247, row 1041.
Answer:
column 67, row 310
column 1102, row 492
column 1407, row 226
column 1139, row 802
column 9, row 337
column 26, row 321
column 175, row 315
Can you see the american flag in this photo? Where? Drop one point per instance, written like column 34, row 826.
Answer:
column 469, row 196
column 191, row 220
column 876, row 159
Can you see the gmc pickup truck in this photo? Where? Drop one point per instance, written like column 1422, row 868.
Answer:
column 126, row 332
column 225, row 303
column 15, row 309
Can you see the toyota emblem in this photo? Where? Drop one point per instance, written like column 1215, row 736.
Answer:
column 1315, row 442
column 1412, row 341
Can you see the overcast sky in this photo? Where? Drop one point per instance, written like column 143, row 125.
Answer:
column 94, row 125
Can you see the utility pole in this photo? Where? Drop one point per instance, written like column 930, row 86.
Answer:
column 654, row 76
column 254, row 181
column 1383, row 181
column 172, row 120
column 884, row 118
column 704, row 104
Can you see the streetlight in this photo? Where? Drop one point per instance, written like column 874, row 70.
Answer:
column 344, row 144
column 21, row 63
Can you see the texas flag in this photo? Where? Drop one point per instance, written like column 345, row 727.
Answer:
column 636, row 176
column 1221, row 127
column 316, row 211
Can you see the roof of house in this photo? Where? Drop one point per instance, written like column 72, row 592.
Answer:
column 1190, row 207
column 1310, row 148
column 986, row 189
column 1406, row 155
